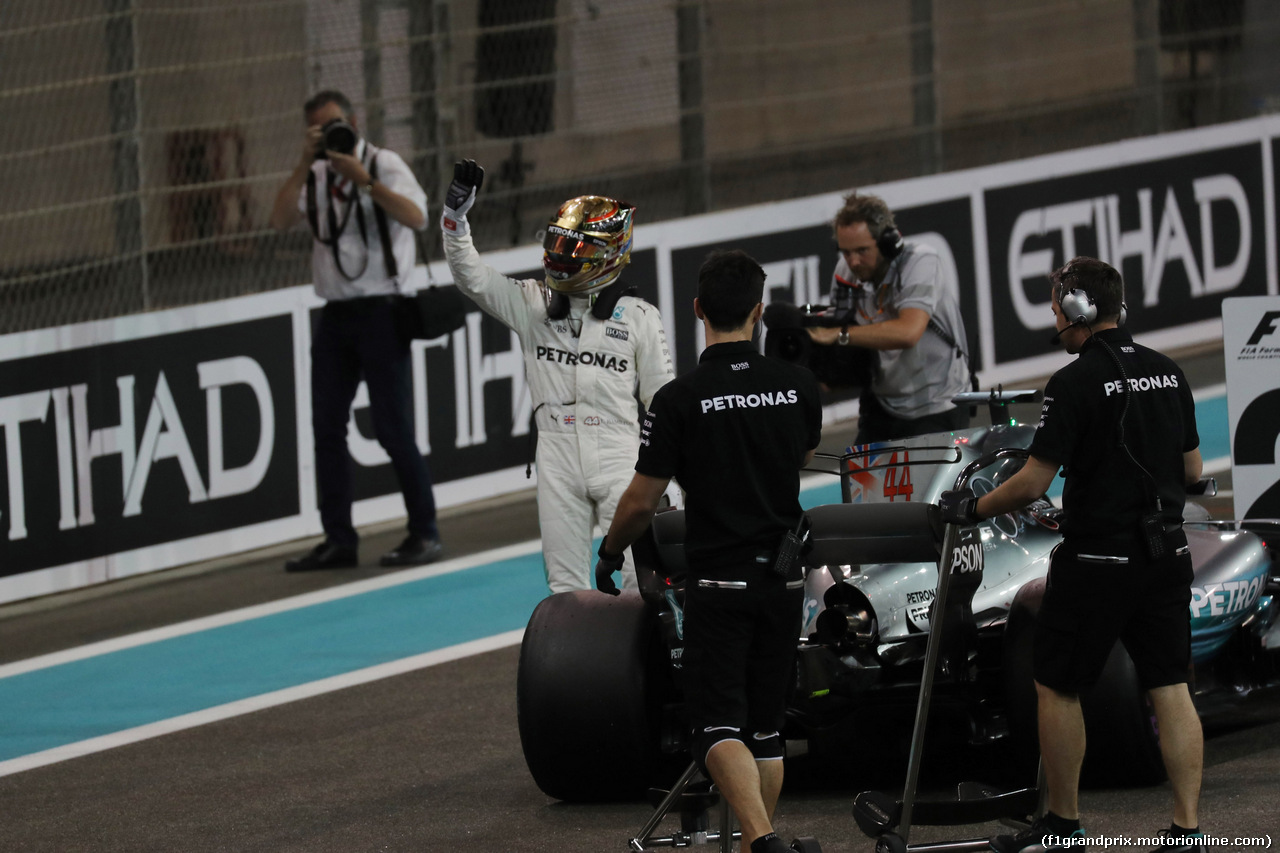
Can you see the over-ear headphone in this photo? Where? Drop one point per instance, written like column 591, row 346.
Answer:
column 890, row 242
column 1079, row 309
column 1077, row 306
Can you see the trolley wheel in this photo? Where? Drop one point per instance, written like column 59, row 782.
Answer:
column 806, row 844
column 891, row 842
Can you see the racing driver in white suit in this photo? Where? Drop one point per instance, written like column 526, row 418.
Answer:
column 591, row 351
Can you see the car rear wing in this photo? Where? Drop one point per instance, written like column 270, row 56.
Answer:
column 997, row 400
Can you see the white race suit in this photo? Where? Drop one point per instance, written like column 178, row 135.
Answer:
column 585, row 387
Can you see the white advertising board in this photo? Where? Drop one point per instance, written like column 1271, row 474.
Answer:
column 1251, row 349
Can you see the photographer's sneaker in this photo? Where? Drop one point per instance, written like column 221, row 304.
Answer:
column 1175, row 839
column 1049, row 833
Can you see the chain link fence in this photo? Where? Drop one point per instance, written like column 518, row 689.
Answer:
column 145, row 140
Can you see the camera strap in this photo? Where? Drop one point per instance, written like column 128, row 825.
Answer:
column 335, row 229
column 384, row 231
column 950, row 340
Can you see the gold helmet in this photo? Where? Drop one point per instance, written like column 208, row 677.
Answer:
column 587, row 244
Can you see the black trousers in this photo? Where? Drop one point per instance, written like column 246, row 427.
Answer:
column 358, row 339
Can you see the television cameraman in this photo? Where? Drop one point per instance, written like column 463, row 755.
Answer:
column 363, row 205
column 1120, row 421
column 897, row 300
column 735, row 433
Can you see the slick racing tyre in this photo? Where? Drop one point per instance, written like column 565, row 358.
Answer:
column 1019, row 684
column 588, row 695
column 1122, row 744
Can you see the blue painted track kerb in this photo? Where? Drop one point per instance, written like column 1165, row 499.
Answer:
column 108, row 693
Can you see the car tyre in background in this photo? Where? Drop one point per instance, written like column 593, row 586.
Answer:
column 588, row 696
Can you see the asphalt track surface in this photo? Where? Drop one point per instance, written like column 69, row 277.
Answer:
column 425, row 756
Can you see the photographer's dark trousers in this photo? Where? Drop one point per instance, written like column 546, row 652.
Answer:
column 357, row 339
column 876, row 424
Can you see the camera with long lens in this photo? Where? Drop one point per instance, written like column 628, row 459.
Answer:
column 337, row 135
column 837, row 367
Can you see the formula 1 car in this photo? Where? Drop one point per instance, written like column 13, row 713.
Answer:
column 598, row 688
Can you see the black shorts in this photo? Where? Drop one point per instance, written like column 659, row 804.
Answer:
column 739, row 650
column 1100, row 591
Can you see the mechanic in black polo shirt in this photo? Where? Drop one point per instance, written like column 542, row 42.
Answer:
column 735, row 433
column 1120, row 421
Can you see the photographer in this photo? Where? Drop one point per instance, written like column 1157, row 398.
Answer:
column 735, row 432
column 362, row 204
column 1120, row 421
column 895, row 300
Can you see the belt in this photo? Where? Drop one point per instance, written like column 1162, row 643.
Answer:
column 1121, row 535
column 1111, row 559
column 761, row 568
column 708, row 583
column 714, row 584
column 750, row 565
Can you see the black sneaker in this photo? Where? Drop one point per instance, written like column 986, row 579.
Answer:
column 326, row 555
column 1186, row 842
column 1041, row 836
column 413, row 551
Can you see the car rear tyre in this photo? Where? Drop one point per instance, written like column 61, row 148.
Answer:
column 588, row 696
column 1123, row 746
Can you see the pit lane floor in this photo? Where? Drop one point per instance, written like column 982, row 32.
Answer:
column 417, row 751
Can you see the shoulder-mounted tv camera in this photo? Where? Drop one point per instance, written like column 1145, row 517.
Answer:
column 835, row 366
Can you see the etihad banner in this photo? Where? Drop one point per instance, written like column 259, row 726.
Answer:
column 165, row 438
column 1181, row 230
column 116, row 447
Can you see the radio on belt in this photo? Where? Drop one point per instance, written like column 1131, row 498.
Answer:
column 787, row 563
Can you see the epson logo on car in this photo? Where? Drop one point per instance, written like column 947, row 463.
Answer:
column 966, row 558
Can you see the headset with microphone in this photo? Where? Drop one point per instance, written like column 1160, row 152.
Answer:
column 1079, row 308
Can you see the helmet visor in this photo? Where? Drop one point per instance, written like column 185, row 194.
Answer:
column 568, row 243
column 562, row 267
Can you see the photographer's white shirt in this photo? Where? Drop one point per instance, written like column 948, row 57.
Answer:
column 369, row 279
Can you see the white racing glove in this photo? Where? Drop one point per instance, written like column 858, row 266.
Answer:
column 467, row 178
